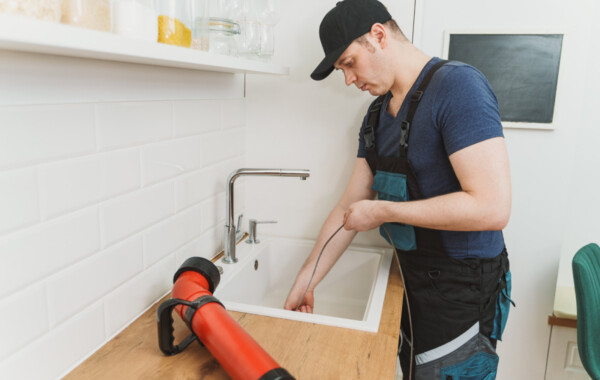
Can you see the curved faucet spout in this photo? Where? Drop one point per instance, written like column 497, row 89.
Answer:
column 229, row 237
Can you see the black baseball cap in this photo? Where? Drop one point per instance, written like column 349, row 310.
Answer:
column 343, row 24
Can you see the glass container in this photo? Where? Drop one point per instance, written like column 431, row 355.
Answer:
column 225, row 9
column 269, row 13
column 48, row 10
column 249, row 38
column 90, row 14
column 222, row 36
column 135, row 19
column 174, row 22
column 200, row 24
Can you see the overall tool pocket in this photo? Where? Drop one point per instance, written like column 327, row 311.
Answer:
column 392, row 187
column 503, row 303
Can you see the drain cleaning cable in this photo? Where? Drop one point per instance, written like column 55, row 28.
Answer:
column 403, row 284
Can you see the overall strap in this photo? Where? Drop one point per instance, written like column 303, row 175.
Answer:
column 415, row 98
column 369, row 132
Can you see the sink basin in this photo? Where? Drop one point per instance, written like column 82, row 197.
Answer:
column 350, row 296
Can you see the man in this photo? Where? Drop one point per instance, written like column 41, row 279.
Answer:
column 431, row 148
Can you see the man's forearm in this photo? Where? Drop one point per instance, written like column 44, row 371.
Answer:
column 333, row 251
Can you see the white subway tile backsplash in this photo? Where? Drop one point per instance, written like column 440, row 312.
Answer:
column 28, row 256
column 19, row 202
column 198, row 186
column 128, row 214
column 30, row 78
column 234, row 113
column 208, row 245
column 164, row 160
column 124, row 124
column 133, row 297
column 103, row 193
column 51, row 355
column 171, row 234
column 196, row 116
column 205, row 183
column 72, row 184
column 213, row 212
column 71, row 290
column 30, row 134
column 217, row 147
column 23, row 317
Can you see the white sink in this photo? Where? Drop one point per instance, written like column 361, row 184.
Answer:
column 350, row 296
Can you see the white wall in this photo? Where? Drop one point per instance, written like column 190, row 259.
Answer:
column 110, row 176
column 296, row 122
column 583, row 223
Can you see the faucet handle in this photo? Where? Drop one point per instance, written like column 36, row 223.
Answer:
column 252, row 230
column 239, row 224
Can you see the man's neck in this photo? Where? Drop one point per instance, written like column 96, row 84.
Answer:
column 410, row 63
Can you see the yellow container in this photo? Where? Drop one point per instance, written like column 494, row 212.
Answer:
column 174, row 32
column 174, row 22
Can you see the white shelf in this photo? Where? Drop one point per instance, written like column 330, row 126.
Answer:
column 31, row 35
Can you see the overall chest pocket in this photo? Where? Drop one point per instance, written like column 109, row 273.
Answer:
column 393, row 187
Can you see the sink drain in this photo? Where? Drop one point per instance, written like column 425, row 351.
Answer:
column 255, row 264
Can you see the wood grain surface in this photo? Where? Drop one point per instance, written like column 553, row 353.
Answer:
column 307, row 351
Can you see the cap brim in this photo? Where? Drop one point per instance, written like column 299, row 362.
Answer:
column 326, row 66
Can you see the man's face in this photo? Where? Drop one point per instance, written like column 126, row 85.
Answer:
column 362, row 65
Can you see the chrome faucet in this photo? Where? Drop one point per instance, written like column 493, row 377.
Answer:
column 229, row 237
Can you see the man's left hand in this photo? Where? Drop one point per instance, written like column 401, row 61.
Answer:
column 362, row 216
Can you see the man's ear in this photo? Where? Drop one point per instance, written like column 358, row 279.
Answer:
column 379, row 34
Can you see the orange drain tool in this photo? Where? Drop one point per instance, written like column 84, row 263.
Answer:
column 237, row 352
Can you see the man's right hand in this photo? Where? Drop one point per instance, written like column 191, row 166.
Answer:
column 293, row 299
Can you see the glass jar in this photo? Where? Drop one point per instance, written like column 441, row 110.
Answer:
column 48, row 10
column 135, row 19
column 200, row 24
column 91, row 14
column 228, row 9
column 222, row 36
column 269, row 13
column 174, row 22
column 249, row 38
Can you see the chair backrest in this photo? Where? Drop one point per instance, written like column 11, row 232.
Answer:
column 586, row 275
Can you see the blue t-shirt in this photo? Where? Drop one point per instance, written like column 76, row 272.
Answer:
column 457, row 110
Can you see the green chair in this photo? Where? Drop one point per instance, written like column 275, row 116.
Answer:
column 586, row 274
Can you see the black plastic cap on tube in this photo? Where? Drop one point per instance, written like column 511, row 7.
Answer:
column 203, row 266
column 277, row 374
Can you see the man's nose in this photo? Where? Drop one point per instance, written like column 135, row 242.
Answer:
column 350, row 77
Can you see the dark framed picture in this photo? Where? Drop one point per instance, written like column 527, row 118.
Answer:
column 522, row 68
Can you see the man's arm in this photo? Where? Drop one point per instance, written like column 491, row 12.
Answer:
column 358, row 188
column 483, row 204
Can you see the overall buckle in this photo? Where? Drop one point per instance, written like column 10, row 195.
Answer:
column 404, row 133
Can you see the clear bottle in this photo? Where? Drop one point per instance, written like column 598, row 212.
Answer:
column 200, row 24
column 249, row 38
column 269, row 13
column 174, row 22
column 225, row 9
column 222, row 36
column 135, row 19
column 48, row 10
column 91, row 14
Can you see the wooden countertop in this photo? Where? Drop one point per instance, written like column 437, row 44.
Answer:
column 307, row 351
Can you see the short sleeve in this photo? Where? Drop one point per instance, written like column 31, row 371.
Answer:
column 467, row 109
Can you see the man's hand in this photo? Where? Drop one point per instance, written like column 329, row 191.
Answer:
column 362, row 216
column 293, row 298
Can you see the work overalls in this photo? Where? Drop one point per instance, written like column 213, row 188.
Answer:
column 458, row 307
